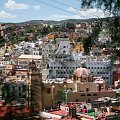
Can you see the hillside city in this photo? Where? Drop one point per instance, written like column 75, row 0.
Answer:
column 66, row 70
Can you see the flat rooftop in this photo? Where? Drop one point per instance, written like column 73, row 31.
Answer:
column 30, row 57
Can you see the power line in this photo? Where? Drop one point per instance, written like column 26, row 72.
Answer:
column 99, row 18
column 64, row 9
column 61, row 3
column 60, row 8
column 55, row 7
column 72, row 7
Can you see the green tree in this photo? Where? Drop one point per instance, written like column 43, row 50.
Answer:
column 96, row 29
column 29, row 31
column 2, row 41
column 87, row 44
column 70, row 25
column 62, row 96
column 79, row 39
column 44, row 31
column 111, row 7
column 13, row 34
column 54, row 29
column 9, row 28
column 26, row 39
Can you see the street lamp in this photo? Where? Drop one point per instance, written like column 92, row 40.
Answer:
column 65, row 86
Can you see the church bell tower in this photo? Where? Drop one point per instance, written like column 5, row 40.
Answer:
column 34, row 85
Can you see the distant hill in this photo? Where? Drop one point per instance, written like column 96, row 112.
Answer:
column 38, row 22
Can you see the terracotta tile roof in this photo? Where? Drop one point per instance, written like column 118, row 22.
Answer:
column 68, row 118
column 3, row 111
column 59, row 112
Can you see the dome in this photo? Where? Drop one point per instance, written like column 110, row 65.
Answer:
column 81, row 72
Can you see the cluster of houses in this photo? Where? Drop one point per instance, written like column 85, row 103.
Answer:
column 54, row 76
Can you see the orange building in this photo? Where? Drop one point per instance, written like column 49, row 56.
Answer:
column 52, row 36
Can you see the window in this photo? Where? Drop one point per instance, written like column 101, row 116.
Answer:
column 95, row 94
column 13, row 87
column 82, row 94
column 84, row 79
column 19, row 88
column 48, row 90
column 88, row 94
column 76, row 100
column 36, row 80
column 87, row 89
column 20, row 94
column 88, row 100
column 64, row 51
column 71, row 89
column 47, row 66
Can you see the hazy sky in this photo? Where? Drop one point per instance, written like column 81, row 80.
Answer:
column 23, row 10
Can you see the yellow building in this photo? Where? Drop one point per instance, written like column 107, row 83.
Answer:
column 79, row 47
column 2, row 51
column 52, row 36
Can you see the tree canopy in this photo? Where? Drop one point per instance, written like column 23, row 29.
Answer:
column 87, row 44
column 112, row 8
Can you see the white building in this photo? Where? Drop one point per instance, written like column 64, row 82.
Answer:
column 58, row 59
column 27, row 48
column 100, row 68
column 23, row 61
column 63, row 46
column 48, row 50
